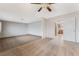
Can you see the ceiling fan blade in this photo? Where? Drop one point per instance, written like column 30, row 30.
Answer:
column 42, row 3
column 35, row 3
column 49, row 8
column 40, row 9
column 51, row 3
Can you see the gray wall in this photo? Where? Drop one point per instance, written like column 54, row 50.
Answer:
column 13, row 29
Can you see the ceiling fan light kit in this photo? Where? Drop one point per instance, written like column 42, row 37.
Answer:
column 44, row 5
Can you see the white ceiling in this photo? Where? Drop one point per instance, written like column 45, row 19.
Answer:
column 28, row 12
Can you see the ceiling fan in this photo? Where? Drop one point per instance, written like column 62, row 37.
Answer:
column 44, row 5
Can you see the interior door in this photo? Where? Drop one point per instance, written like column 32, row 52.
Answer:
column 69, row 29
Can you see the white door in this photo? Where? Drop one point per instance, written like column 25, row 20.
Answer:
column 69, row 29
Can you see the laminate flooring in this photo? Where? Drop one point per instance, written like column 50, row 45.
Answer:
column 29, row 45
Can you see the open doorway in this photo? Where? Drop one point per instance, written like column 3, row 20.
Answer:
column 65, row 29
column 59, row 29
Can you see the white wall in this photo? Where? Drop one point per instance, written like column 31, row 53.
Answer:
column 13, row 29
column 35, row 28
column 50, row 29
column 69, row 29
column 77, row 28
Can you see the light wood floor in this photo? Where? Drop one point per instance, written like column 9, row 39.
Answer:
column 29, row 45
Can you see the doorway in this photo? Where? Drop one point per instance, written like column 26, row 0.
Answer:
column 66, row 28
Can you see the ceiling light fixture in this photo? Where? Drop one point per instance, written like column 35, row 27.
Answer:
column 44, row 5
